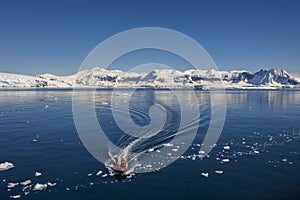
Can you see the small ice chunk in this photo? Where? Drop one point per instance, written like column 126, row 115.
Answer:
column 219, row 172
column 225, row 160
column 284, row 160
column 37, row 174
column 90, row 174
column 6, row 166
column 174, row 150
column 15, row 196
column 40, row 186
column 51, row 184
column 27, row 182
column 158, row 151
column 104, row 175
column 226, row 147
column 12, row 185
column 151, row 150
column 46, row 106
column 204, row 174
column 255, row 151
column 201, row 152
column 168, row 145
column 99, row 173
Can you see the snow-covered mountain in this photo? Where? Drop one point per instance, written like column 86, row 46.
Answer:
column 166, row 78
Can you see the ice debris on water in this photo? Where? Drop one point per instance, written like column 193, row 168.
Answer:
column 6, row 166
column 12, row 185
column 99, row 173
column 225, row 160
column 226, row 147
column 40, row 186
column 204, row 174
column 27, row 182
column 37, row 174
column 15, row 196
column 219, row 172
column 51, row 184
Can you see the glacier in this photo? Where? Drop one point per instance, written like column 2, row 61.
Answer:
column 162, row 78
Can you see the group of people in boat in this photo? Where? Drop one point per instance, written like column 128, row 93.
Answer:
column 122, row 166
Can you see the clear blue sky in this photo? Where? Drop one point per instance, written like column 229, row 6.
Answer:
column 55, row 36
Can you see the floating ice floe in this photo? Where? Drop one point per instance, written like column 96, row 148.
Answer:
column 12, row 185
column 174, row 150
column 255, row 151
column 284, row 160
column 6, row 166
column 104, row 175
column 40, row 186
column 225, row 160
column 151, row 150
column 205, row 175
column 226, row 147
column 15, row 196
column 51, row 184
column 219, row 172
column 99, row 173
column 27, row 182
column 90, row 174
column 37, row 174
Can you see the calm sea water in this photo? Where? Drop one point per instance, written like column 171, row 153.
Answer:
column 262, row 128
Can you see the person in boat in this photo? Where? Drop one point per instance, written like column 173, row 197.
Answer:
column 122, row 166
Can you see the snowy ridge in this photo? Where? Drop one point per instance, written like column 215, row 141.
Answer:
column 166, row 78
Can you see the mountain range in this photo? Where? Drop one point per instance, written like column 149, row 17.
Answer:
column 163, row 78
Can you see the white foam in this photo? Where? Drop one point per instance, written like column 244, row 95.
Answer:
column 168, row 145
column 6, row 166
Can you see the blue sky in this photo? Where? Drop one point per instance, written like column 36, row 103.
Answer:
column 55, row 36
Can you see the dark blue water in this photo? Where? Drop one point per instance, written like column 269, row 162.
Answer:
column 262, row 128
